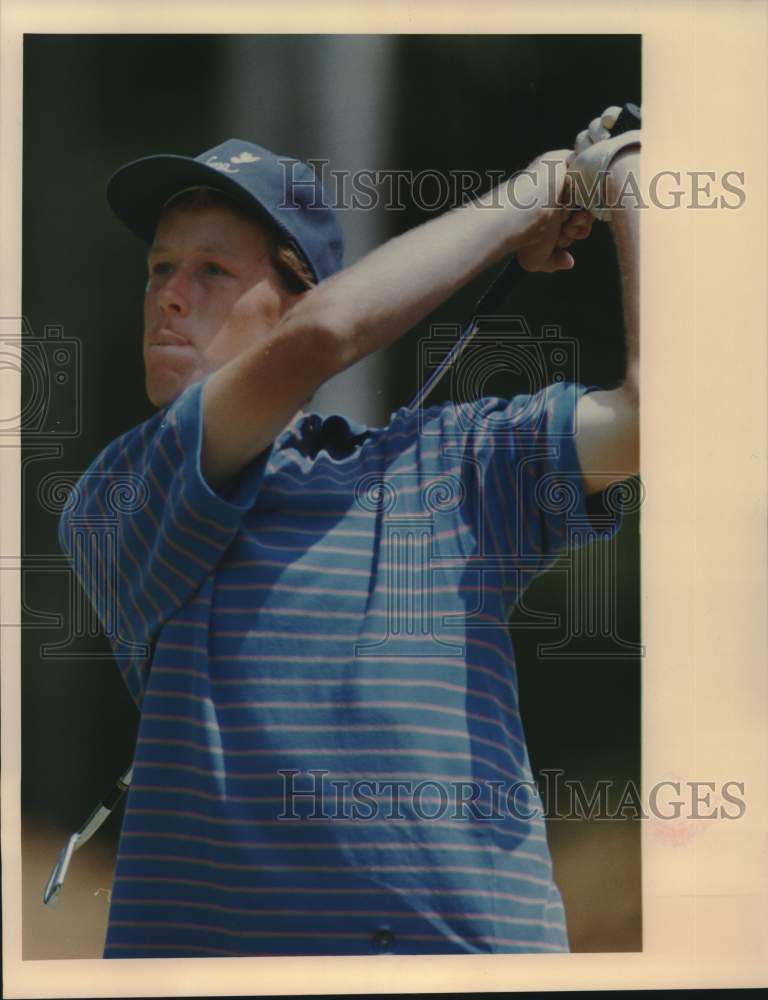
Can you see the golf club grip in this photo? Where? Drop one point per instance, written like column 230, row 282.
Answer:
column 630, row 118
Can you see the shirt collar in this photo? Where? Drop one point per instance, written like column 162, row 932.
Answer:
column 312, row 433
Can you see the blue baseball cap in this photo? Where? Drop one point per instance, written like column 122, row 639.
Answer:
column 283, row 191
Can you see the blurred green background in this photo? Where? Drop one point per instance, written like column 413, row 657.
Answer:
column 444, row 103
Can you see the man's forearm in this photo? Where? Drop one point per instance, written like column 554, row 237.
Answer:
column 378, row 299
column 625, row 225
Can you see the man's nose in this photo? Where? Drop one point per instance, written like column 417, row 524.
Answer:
column 174, row 298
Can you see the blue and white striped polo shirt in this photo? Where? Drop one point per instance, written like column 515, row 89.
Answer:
column 330, row 757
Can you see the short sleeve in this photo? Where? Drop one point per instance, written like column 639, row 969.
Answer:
column 521, row 461
column 143, row 529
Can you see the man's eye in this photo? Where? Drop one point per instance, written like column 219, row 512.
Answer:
column 159, row 267
column 213, row 270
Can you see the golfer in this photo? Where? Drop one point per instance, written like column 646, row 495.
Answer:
column 311, row 614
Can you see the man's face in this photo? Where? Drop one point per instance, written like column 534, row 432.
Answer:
column 212, row 291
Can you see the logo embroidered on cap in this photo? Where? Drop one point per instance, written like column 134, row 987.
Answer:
column 244, row 157
column 220, row 165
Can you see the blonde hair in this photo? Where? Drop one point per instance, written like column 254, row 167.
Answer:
column 287, row 260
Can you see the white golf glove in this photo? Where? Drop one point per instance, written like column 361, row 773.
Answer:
column 593, row 151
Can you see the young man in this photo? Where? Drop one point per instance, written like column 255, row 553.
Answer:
column 312, row 615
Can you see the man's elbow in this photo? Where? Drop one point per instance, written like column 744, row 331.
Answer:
column 323, row 327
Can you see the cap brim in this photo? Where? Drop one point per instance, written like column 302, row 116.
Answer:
column 138, row 191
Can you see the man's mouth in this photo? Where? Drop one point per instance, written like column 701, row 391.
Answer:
column 165, row 337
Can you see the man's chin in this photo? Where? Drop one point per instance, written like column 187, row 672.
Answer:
column 164, row 391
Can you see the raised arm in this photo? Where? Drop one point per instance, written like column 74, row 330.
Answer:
column 369, row 305
column 608, row 422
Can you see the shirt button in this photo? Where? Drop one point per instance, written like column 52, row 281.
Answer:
column 383, row 941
